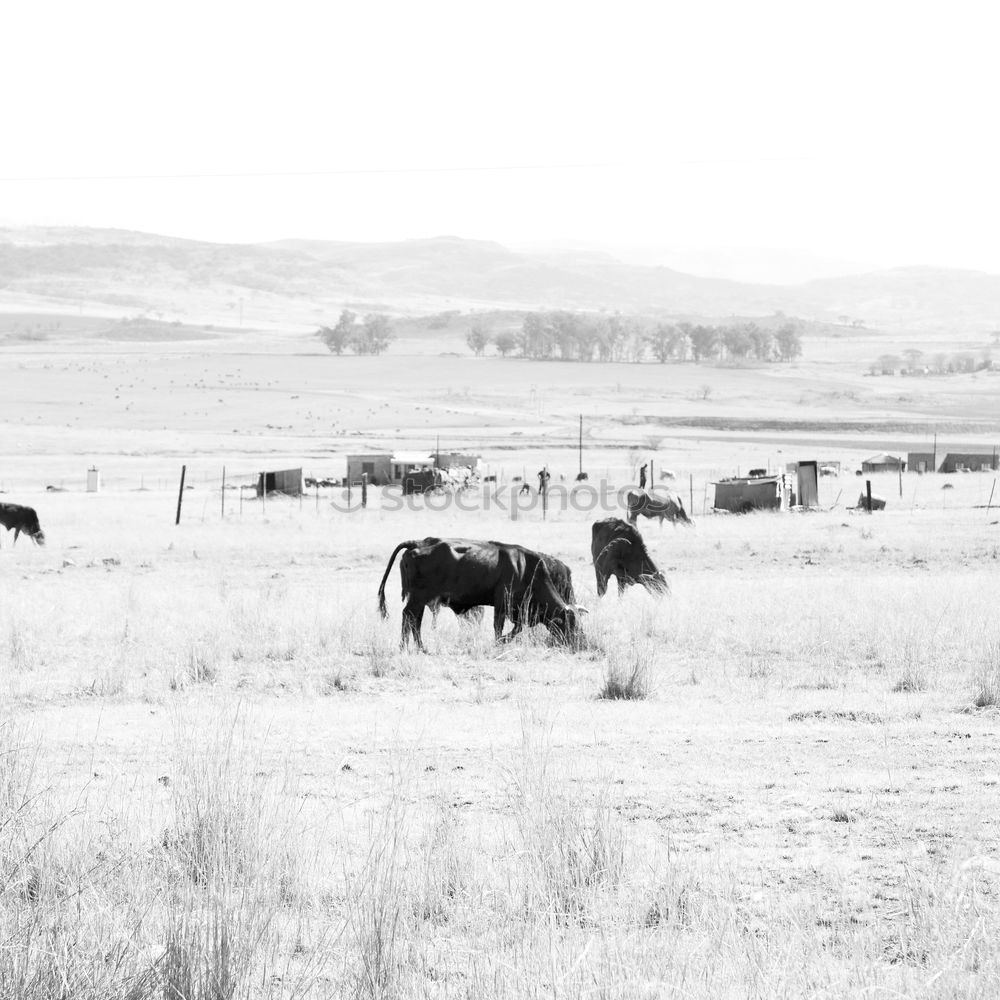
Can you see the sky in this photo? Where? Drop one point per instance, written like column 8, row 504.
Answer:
column 863, row 132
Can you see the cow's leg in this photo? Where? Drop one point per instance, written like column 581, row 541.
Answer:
column 623, row 582
column 413, row 616
column 17, row 532
column 602, row 582
column 499, row 618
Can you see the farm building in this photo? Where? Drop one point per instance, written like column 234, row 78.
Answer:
column 805, row 476
column 377, row 466
column 968, row 462
column 287, row 481
column 384, row 468
column 883, row 463
column 920, row 461
column 807, row 484
column 741, row 494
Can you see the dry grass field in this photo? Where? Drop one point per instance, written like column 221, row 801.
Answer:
column 220, row 778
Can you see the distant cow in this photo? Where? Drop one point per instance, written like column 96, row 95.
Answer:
column 619, row 551
column 462, row 575
column 669, row 507
column 581, row 477
column 16, row 518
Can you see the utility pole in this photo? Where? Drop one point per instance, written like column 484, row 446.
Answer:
column 581, row 443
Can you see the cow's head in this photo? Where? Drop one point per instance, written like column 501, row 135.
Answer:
column 564, row 623
column 38, row 537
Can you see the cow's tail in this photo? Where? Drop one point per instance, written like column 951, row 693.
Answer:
column 411, row 544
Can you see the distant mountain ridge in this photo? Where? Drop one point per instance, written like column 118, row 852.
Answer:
column 297, row 280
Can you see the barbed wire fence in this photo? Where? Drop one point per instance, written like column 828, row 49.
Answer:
column 236, row 493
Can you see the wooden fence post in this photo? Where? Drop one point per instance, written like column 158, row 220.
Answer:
column 180, row 495
column 868, row 494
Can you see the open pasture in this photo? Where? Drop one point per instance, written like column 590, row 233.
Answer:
column 217, row 763
column 141, row 411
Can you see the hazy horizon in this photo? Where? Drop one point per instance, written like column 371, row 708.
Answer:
column 865, row 136
column 751, row 265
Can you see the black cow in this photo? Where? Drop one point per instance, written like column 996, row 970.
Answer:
column 670, row 507
column 562, row 579
column 619, row 551
column 463, row 574
column 16, row 518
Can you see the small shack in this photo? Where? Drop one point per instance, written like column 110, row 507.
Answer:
column 956, row 461
column 807, row 485
column 287, row 481
column 377, row 466
column 883, row 463
column 920, row 461
column 742, row 494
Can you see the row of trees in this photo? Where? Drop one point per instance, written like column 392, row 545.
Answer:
column 571, row 336
column 575, row 337
column 914, row 362
column 372, row 335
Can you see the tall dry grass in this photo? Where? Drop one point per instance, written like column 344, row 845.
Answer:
column 550, row 850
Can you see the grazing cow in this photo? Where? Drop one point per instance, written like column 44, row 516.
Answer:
column 670, row 507
column 524, row 490
column 619, row 551
column 581, row 476
column 16, row 518
column 562, row 579
column 463, row 574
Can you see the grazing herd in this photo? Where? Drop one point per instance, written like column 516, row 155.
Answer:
column 528, row 587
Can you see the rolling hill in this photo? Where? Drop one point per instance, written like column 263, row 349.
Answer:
column 302, row 282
